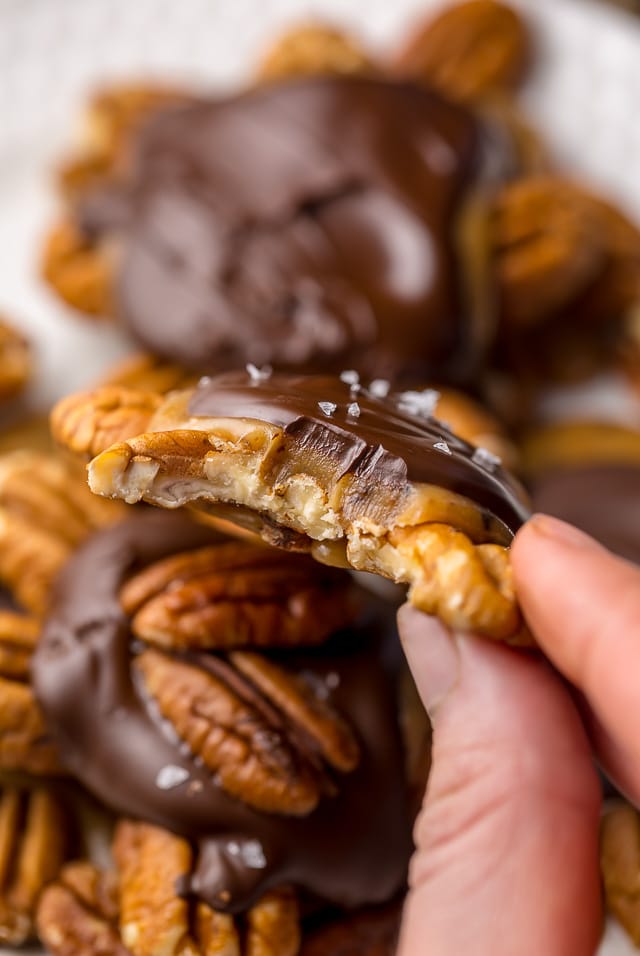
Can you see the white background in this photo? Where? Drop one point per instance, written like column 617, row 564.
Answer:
column 584, row 94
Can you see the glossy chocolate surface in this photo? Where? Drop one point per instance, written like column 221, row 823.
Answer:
column 378, row 440
column 603, row 500
column 303, row 224
column 353, row 849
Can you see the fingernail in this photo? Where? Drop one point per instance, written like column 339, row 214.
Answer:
column 561, row 532
column 432, row 655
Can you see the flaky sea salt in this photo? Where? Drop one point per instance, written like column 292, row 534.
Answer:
column 259, row 374
column 443, row 447
column 379, row 388
column 171, row 776
column 354, row 409
column 422, row 404
column 328, row 408
column 486, row 459
column 350, row 377
column 249, row 851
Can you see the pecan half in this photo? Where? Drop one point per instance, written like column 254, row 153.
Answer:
column 111, row 116
column 78, row 914
column 273, row 925
column 25, row 743
column 78, row 269
column 547, row 247
column 45, row 511
column 314, row 48
column 32, row 850
column 469, row 50
column 148, row 373
column 237, row 594
column 15, row 361
column 88, row 422
column 52, row 495
column 154, row 921
column 620, row 865
column 257, row 727
column 18, row 637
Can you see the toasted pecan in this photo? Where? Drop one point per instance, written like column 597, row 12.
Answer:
column 78, row 269
column 18, row 637
column 547, row 247
column 237, row 594
column 32, row 850
column 87, row 422
column 155, row 921
column 15, row 361
column 111, row 117
column 257, row 727
column 468, row 50
column 149, row 373
column 273, row 925
column 313, row 48
column 77, row 915
column 620, row 865
column 45, row 511
column 25, row 743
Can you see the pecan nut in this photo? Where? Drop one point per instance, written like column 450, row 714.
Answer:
column 547, row 248
column 25, row 743
column 148, row 373
column 237, row 594
column 86, row 423
column 112, row 115
column 469, row 50
column 77, row 915
column 15, row 361
column 18, row 637
column 620, row 865
column 78, row 269
column 32, row 850
column 314, row 48
column 263, row 733
column 45, row 511
column 154, row 921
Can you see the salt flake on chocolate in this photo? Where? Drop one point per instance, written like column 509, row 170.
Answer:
column 171, row 776
column 443, row 447
column 258, row 374
column 422, row 404
column 379, row 388
column 350, row 377
column 249, row 851
column 354, row 409
column 486, row 459
column 327, row 408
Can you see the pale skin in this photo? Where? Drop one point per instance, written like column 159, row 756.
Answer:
column 506, row 857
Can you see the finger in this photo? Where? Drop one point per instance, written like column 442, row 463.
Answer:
column 506, row 844
column 583, row 605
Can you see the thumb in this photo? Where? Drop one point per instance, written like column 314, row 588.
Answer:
column 506, row 854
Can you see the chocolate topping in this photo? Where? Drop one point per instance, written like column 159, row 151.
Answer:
column 603, row 500
column 302, row 224
column 353, row 849
column 363, row 435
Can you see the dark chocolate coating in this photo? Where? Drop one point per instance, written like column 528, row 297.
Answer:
column 352, row 850
column 305, row 224
column 381, row 443
column 603, row 500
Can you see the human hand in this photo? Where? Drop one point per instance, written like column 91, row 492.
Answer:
column 507, row 841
